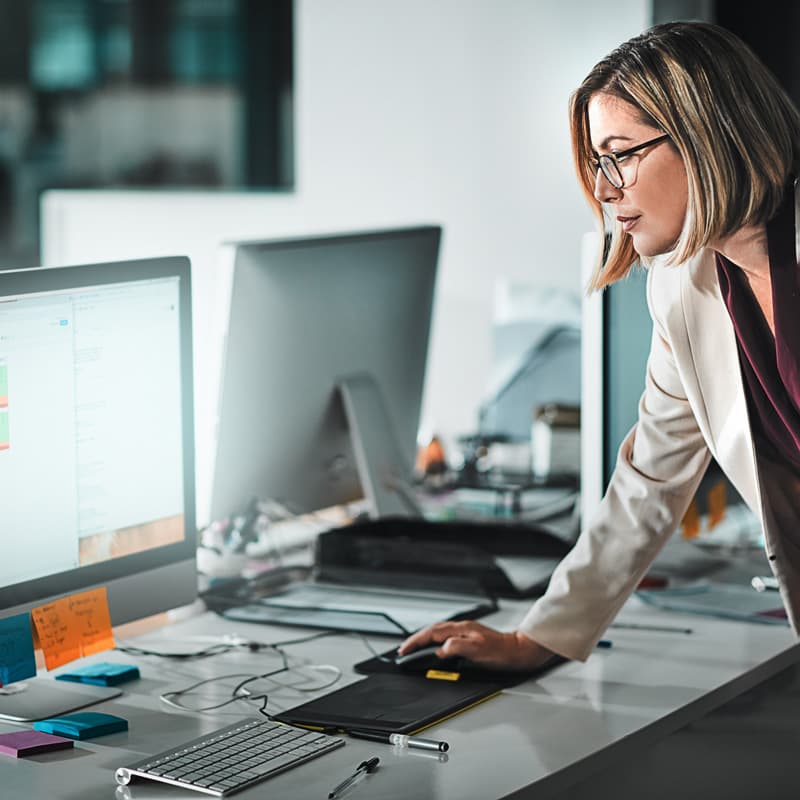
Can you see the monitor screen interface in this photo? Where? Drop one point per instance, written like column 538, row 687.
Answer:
column 74, row 364
column 95, row 461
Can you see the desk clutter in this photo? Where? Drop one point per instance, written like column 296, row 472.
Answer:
column 457, row 556
column 66, row 629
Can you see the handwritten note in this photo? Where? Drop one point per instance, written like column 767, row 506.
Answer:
column 74, row 626
column 93, row 621
column 17, row 661
column 57, row 635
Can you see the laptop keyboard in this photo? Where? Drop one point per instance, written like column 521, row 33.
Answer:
column 232, row 758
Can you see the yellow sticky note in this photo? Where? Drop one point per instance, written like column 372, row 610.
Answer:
column 74, row 626
column 717, row 503
column 691, row 521
column 58, row 637
column 92, row 620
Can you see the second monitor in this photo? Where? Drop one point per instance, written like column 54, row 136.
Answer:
column 323, row 370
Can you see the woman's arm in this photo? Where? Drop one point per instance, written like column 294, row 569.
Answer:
column 659, row 466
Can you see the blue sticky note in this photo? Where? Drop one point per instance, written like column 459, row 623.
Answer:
column 17, row 661
column 83, row 725
column 104, row 674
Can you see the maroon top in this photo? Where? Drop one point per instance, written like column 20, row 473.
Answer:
column 770, row 365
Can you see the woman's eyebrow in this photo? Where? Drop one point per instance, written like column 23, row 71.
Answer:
column 614, row 137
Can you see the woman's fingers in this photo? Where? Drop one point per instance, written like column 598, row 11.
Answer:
column 480, row 644
column 437, row 633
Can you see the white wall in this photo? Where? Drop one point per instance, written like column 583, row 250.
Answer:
column 407, row 111
column 455, row 111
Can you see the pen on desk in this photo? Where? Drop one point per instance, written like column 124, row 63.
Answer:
column 364, row 768
column 401, row 740
column 633, row 626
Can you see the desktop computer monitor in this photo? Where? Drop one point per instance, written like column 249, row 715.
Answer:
column 96, row 446
column 323, row 370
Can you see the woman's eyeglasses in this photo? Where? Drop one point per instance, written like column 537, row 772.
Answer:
column 612, row 164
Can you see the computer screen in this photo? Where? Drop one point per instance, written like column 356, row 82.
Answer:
column 96, row 433
column 323, row 368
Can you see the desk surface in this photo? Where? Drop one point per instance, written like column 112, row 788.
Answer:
column 535, row 740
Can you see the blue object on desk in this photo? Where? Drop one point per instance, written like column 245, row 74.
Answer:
column 105, row 674
column 17, row 661
column 83, row 725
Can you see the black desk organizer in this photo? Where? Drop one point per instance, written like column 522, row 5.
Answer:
column 453, row 556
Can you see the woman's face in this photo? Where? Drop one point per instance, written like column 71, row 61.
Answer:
column 651, row 206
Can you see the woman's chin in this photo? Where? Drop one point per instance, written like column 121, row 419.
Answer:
column 646, row 247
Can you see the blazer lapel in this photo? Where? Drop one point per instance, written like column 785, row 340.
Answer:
column 715, row 376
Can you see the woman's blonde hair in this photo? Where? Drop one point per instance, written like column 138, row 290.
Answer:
column 734, row 127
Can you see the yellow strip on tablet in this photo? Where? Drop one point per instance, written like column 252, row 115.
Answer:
column 442, row 675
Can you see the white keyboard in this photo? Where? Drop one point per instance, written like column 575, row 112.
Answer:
column 232, row 758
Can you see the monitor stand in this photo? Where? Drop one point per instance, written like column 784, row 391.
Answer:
column 379, row 459
column 42, row 698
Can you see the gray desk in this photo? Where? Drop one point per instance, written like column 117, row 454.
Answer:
column 555, row 737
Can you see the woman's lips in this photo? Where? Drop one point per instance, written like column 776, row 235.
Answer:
column 627, row 222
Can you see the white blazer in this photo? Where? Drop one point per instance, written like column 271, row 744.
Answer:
column 693, row 407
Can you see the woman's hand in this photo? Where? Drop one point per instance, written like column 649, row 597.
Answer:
column 480, row 644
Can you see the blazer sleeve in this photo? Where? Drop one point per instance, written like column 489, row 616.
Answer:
column 659, row 466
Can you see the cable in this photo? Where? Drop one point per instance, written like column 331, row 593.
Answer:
column 213, row 650
column 241, row 691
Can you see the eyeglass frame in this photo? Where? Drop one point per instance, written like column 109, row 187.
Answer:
column 597, row 163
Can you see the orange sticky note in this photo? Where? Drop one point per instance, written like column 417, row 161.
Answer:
column 691, row 522
column 57, row 634
column 717, row 503
column 92, row 620
column 74, row 626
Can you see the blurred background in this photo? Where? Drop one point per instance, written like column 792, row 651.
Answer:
column 327, row 115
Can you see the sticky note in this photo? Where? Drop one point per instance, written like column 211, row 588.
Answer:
column 74, row 626
column 17, row 661
column 28, row 743
column 104, row 674
column 691, row 522
column 83, row 725
column 93, row 620
column 717, row 503
column 58, row 635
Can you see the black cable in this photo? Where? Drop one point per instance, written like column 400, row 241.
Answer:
column 213, row 650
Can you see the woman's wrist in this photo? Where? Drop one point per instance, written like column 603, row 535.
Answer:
column 527, row 653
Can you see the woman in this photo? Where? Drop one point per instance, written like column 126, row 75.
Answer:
column 687, row 143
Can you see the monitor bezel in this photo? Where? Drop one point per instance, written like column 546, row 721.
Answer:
column 256, row 255
column 38, row 280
